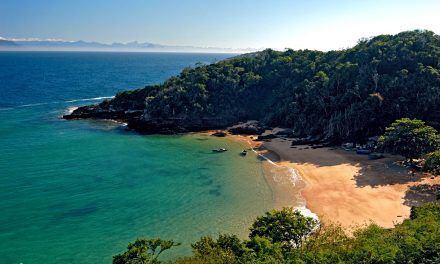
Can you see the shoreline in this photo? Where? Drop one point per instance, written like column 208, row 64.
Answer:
column 345, row 188
column 285, row 182
column 336, row 186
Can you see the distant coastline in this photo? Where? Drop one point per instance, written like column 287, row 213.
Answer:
column 10, row 44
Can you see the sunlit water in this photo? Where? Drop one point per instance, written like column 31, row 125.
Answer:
column 79, row 191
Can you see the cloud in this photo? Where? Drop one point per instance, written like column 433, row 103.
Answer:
column 36, row 39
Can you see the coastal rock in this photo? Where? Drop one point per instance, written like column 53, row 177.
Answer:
column 125, row 106
column 173, row 125
column 95, row 111
column 219, row 134
column 265, row 137
column 286, row 133
column 142, row 122
column 248, row 128
column 130, row 107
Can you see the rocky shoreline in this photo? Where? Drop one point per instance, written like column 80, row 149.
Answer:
column 142, row 123
column 130, row 107
column 139, row 121
column 127, row 109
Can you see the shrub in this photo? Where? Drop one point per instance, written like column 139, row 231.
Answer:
column 432, row 162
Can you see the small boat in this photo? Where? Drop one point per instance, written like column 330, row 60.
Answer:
column 219, row 150
column 363, row 151
column 243, row 153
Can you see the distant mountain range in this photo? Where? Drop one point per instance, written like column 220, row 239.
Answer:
column 63, row 45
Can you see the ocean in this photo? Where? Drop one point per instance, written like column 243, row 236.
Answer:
column 79, row 191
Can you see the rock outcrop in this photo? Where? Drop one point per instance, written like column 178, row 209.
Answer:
column 95, row 111
column 219, row 134
column 130, row 107
column 151, row 125
column 248, row 128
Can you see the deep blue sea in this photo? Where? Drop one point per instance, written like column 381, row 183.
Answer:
column 79, row 191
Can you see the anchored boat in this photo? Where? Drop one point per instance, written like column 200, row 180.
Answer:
column 219, row 150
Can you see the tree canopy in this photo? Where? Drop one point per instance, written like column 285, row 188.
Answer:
column 410, row 138
column 337, row 95
column 144, row 251
column 432, row 162
column 415, row 240
column 287, row 227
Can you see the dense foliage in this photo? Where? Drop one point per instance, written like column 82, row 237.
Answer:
column 337, row 95
column 432, row 162
column 144, row 251
column 410, row 138
column 416, row 240
column 287, row 227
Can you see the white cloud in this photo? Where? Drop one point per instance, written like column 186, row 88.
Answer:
column 35, row 39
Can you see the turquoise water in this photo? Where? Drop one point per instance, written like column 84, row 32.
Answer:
column 79, row 191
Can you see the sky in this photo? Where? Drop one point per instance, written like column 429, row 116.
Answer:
column 313, row 24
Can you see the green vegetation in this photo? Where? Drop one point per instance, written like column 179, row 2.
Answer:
column 343, row 95
column 287, row 227
column 410, row 138
column 416, row 240
column 432, row 162
column 144, row 251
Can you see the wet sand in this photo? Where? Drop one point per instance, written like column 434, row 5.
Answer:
column 284, row 181
column 340, row 187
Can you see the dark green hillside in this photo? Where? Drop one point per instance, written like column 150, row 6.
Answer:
column 337, row 95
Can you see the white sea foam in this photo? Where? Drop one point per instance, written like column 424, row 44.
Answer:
column 90, row 99
column 60, row 102
column 70, row 109
column 295, row 177
column 306, row 212
column 266, row 158
column 5, row 108
column 36, row 104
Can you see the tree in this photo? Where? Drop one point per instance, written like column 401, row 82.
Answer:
column 339, row 96
column 287, row 227
column 410, row 138
column 144, row 251
column 265, row 251
column 432, row 162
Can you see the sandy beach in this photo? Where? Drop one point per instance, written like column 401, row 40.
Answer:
column 349, row 189
column 339, row 186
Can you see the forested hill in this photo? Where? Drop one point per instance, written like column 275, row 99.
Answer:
column 336, row 95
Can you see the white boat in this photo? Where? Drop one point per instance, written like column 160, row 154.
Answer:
column 219, row 150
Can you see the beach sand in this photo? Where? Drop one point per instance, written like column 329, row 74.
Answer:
column 339, row 186
column 349, row 189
